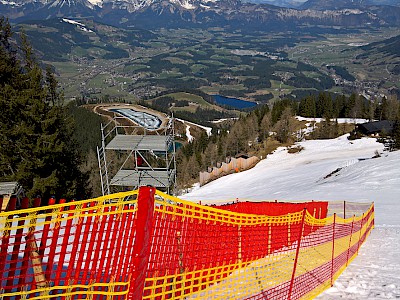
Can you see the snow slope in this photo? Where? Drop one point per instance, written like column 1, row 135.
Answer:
column 307, row 175
column 188, row 124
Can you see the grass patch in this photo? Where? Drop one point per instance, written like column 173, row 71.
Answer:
column 190, row 108
column 212, row 62
column 311, row 74
column 275, row 84
column 169, row 74
column 178, row 60
column 133, row 68
column 191, row 98
column 269, row 146
column 295, row 149
column 198, row 68
column 212, row 90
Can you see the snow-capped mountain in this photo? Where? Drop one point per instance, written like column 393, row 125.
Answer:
column 280, row 3
column 75, row 8
column 45, row 9
column 70, row 3
column 340, row 4
column 184, row 13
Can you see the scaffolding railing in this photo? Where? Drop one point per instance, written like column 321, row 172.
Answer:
column 144, row 154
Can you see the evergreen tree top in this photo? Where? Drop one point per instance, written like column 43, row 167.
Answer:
column 36, row 145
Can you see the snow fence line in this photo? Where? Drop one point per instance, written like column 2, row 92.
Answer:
column 145, row 244
column 234, row 165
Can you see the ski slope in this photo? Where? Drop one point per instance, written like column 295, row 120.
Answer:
column 336, row 169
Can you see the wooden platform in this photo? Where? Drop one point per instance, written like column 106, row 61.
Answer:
column 156, row 178
column 140, row 142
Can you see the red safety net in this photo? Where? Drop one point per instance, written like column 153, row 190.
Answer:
column 69, row 249
column 185, row 239
column 148, row 245
column 336, row 259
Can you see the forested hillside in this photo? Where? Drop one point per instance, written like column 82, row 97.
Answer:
column 57, row 40
column 387, row 47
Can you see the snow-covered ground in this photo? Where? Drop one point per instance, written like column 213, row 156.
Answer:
column 79, row 25
column 189, row 124
column 339, row 120
column 375, row 273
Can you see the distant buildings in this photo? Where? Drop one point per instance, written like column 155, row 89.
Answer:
column 376, row 128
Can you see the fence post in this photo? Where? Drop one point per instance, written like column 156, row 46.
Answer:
column 5, row 241
column 297, row 253
column 333, row 246
column 351, row 235
column 344, row 209
column 288, row 231
column 64, row 244
column 269, row 238
column 141, row 248
column 50, row 271
column 74, row 254
column 373, row 215
column 359, row 238
column 46, row 227
column 240, row 246
column 314, row 216
column 25, row 260
column 17, row 244
column 33, row 251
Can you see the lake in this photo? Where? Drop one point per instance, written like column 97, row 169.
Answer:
column 233, row 102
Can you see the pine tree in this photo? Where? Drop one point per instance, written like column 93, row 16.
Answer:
column 36, row 144
column 307, row 107
column 324, row 105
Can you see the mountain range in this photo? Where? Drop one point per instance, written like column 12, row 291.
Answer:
column 341, row 4
column 180, row 13
column 280, row 3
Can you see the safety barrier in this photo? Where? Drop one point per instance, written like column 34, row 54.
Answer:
column 234, row 165
column 148, row 245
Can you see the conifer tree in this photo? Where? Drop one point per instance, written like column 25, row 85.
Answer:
column 307, row 107
column 36, row 145
column 324, row 105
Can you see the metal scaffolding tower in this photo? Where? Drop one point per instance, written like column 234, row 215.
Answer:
column 139, row 153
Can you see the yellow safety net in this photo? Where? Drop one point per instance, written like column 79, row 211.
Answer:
column 145, row 244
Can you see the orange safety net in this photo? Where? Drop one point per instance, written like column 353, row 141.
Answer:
column 148, row 245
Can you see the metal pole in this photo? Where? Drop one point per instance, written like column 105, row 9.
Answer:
column 333, row 247
column 344, row 209
column 359, row 239
column 297, row 254
column 351, row 235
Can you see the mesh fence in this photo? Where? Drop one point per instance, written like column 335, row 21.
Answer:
column 76, row 249
column 148, row 245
